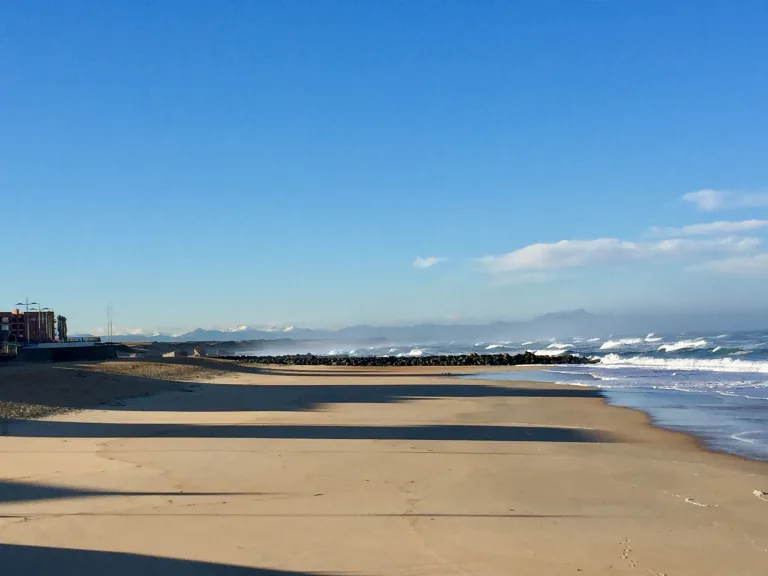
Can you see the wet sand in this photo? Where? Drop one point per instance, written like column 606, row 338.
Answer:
column 229, row 469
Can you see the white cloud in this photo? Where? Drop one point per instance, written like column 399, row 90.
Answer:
column 710, row 228
column 710, row 200
column 706, row 200
column 580, row 253
column 756, row 265
column 427, row 262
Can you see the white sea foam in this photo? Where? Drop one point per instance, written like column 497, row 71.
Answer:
column 609, row 344
column 652, row 338
column 713, row 365
column 594, row 340
column 740, row 436
column 547, row 352
column 580, row 373
column 527, row 343
column 716, row 348
column 570, row 383
column 683, row 345
column 559, row 346
column 494, row 346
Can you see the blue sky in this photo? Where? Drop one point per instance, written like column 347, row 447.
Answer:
column 224, row 162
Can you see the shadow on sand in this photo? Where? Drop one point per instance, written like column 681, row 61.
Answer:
column 12, row 491
column 454, row 432
column 18, row 559
column 73, row 388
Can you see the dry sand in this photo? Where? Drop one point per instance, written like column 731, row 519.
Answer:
column 357, row 472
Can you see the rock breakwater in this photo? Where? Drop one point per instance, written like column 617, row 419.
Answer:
column 525, row 359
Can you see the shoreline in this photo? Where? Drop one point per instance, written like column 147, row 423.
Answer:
column 621, row 398
column 220, row 367
column 217, row 368
column 376, row 471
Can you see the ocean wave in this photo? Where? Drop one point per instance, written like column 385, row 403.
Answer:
column 725, row 350
column 653, row 338
column 571, row 383
column 683, row 345
column 559, row 346
column 527, row 343
column 740, row 436
column 609, row 344
column 547, row 352
column 494, row 346
column 594, row 340
column 589, row 374
column 713, row 365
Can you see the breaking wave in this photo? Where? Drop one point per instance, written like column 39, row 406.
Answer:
column 713, row 365
column 548, row 352
column 684, row 345
column 609, row 344
column 559, row 346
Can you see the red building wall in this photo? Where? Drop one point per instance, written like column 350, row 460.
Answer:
column 41, row 326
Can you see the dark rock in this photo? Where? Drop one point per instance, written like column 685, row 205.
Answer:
column 472, row 359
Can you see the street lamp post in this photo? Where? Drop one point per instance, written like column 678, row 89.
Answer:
column 27, row 304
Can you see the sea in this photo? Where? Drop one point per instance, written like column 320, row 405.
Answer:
column 712, row 385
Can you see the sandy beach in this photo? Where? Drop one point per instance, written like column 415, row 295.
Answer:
column 207, row 467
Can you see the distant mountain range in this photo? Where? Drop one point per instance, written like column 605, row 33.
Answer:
column 555, row 325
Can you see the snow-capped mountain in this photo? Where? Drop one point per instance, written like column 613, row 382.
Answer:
column 558, row 324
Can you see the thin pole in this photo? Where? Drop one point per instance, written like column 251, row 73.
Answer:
column 27, row 304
